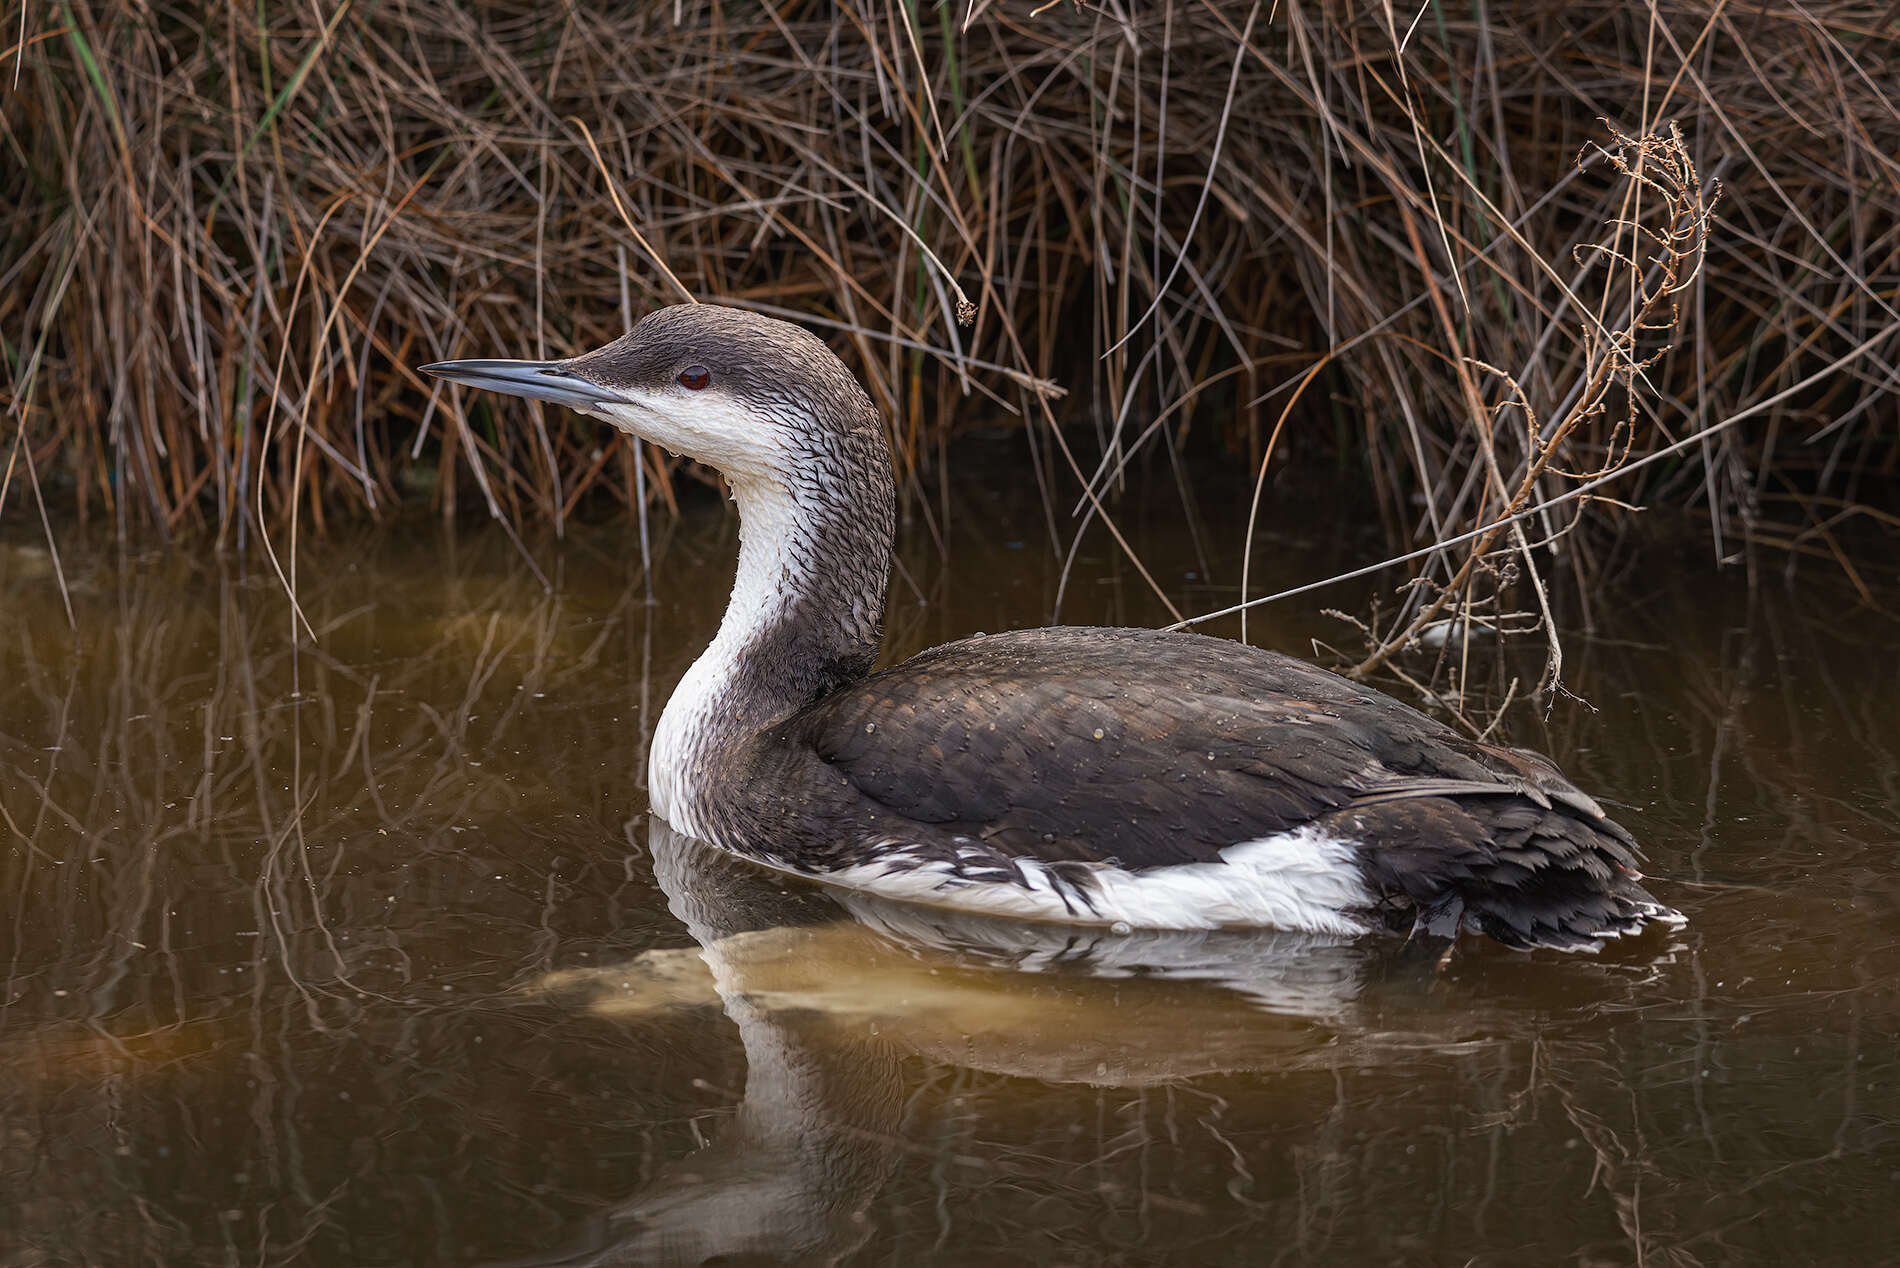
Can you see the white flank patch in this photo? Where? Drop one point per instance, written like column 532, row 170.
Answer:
column 1300, row 880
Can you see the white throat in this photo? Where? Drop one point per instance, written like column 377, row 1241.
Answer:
column 711, row 701
column 815, row 526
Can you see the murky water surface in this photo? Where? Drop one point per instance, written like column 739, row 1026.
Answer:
column 362, row 951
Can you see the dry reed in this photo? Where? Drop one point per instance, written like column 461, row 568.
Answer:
column 1311, row 231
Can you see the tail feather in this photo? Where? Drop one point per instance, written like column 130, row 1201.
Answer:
column 1527, row 874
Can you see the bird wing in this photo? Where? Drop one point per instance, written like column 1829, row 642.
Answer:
column 1135, row 747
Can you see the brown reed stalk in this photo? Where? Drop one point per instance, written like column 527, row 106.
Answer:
column 1650, row 259
column 237, row 230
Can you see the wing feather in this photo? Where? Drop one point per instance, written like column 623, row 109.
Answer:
column 1138, row 747
column 1073, row 747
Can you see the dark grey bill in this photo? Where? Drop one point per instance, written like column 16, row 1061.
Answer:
column 536, row 380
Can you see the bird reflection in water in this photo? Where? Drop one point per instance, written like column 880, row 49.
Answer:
column 837, row 997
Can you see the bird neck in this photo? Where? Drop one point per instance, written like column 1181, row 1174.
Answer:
column 804, row 619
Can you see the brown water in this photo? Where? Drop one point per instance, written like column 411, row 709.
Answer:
column 361, row 951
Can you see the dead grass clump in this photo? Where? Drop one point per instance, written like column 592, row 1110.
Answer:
column 1649, row 258
column 1315, row 229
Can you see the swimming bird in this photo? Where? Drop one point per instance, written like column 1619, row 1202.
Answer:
column 1118, row 777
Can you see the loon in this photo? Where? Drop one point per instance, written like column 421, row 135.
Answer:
column 1115, row 777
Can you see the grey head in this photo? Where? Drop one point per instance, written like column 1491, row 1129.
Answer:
column 748, row 394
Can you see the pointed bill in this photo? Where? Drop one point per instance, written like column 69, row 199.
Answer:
column 551, row 381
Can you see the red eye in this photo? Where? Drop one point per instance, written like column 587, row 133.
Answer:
column 695, row 377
